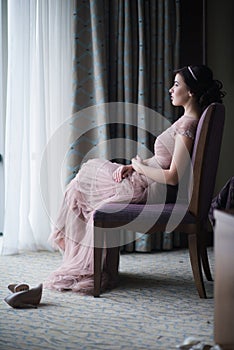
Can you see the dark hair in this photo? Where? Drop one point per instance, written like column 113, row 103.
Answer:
column 199, row 80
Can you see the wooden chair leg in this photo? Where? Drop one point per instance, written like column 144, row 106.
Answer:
column 196, row 264
column 205, row 263
column 112, row 254
column 98, row 250
column 97, row 271
column 112, row 263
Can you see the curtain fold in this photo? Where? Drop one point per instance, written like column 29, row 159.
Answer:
column 3, row 70
column 38, row 100
column 126, row 51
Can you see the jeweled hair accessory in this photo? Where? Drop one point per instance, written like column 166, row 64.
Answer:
column 191, row 72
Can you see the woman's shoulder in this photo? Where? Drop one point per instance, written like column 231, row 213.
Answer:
column 185, row 125
column 186, row 119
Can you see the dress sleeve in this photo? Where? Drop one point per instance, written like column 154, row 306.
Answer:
column 186, row 127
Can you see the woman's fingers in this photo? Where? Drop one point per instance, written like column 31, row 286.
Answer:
column 117, row 174
column 122, row 172
column 138, row 158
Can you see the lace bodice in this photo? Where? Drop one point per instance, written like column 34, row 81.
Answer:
column 165, row 142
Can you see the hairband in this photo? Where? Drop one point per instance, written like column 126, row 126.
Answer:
column 191, row 72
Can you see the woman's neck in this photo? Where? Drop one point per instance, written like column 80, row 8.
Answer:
column 192, row 110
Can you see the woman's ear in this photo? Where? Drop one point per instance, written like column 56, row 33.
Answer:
column 190, row 94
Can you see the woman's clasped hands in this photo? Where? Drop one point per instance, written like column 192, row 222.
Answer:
column 124, row 171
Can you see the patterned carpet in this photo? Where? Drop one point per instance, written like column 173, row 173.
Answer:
column 155, row 306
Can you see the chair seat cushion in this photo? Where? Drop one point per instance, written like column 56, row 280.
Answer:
column 142, row 215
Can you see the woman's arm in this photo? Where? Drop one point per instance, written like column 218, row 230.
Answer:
column 147, row 161
column 180, row 159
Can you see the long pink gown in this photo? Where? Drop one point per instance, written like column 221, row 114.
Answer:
column 92, row 187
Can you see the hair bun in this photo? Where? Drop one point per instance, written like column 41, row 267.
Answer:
column 213, row 93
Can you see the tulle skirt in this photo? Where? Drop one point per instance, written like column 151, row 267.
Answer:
column 73, row 231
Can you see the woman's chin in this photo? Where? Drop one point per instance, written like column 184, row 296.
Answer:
column 175, row 104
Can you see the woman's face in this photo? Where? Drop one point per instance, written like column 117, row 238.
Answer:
column 180, row 93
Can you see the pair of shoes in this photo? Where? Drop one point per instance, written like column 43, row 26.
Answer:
column 23, row 297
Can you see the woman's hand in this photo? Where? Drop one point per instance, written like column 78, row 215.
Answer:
column 121, row 172
column 137, row 164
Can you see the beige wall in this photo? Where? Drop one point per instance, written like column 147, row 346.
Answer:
column 220, row 57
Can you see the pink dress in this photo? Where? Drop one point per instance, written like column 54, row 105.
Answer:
column 92, row 187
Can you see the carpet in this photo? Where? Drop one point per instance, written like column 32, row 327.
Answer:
column 155, row 306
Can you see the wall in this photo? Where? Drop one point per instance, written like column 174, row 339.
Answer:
column 191, row 45
column 220, row 57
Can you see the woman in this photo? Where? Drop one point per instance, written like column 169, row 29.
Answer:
column 101, row 181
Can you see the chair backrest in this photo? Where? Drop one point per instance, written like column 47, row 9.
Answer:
column 205, row 158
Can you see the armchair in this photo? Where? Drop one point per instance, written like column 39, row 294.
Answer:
column 205, row 156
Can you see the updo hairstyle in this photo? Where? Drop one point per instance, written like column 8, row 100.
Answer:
column 199, row 80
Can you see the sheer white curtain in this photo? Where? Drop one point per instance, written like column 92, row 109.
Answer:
column 3, row 69
column 38, row 100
